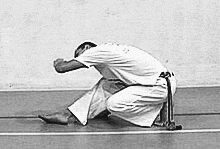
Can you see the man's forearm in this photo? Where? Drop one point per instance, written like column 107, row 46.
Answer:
column 62, row 67
column 66, row 66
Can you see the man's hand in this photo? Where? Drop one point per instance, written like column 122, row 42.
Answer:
column 58, row 64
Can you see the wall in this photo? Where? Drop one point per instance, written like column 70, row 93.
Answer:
column 182, row 34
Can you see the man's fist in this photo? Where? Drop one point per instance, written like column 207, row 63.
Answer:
column 57, row 62
column 58, row 65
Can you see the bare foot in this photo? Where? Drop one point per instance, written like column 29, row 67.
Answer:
column 57, row 117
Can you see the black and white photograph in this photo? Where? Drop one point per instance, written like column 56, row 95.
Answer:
column 110, row 74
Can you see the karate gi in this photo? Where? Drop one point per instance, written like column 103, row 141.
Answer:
column 143, row 95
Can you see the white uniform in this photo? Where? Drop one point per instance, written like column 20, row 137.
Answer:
column 140, row 102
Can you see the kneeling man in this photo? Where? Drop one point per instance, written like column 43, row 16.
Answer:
column 131, row 87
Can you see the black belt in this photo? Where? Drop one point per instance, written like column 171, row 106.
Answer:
column 167, row 75
column 170, row 121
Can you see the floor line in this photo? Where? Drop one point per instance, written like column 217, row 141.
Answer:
column 107, row 133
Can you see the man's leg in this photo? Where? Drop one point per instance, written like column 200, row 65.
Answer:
column 139, row 105
column 88, row 106
column 94, row 103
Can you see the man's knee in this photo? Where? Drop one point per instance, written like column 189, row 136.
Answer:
column 111, row 104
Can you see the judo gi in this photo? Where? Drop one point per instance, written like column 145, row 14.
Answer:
column 131, row 87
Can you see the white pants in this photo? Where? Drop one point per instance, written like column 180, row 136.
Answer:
column 137, row 104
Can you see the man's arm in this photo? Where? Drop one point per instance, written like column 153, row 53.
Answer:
column 62, row 66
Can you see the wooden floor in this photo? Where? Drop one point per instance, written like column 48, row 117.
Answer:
column 197, row 109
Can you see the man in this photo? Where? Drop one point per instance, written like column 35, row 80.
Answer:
column 131, row 87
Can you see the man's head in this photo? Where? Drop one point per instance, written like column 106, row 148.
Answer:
column 83, row 47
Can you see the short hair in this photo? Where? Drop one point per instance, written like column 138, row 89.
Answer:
column 82, row 46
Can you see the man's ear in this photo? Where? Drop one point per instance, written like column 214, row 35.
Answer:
column 87, row 47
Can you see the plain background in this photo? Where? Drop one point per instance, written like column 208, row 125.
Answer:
column 183, row 34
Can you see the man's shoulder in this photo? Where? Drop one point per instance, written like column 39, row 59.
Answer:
column 105, row 47
column 118, row 48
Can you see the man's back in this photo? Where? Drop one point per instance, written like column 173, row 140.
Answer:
column 127, row 63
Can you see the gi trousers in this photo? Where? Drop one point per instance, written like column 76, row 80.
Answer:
column 138, row 104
